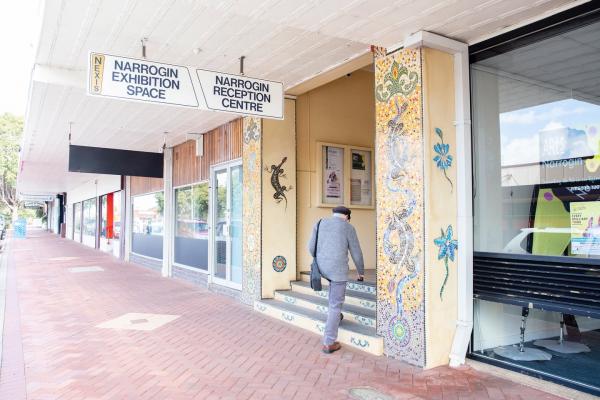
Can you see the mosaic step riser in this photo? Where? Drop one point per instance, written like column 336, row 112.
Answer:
column 372, row 345
column 351, row 300
column 358, row 287
column 360, row 319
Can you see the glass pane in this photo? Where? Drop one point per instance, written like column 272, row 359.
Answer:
column 103, row 221
column 536, row 132
column 360, row 179
column 116, row 233
column 537, row 152
column 236, row 224
column 148, row 224
column 191, row 226
column 89, row 223
column 77, row 222
column 221, row 224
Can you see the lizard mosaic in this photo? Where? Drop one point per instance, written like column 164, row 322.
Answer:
column 277, row 172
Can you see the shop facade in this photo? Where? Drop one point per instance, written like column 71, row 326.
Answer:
column 536, row 139
column 472, row 173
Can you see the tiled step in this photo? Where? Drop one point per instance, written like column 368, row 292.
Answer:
column 365, row 287
column 353, row 297
column 360, row 315
column 350, row 333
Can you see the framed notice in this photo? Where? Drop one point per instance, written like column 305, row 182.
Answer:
column 345, row 175
column 361, row 179
column 332, row 182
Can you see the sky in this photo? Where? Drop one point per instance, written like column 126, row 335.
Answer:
column 558, row 130
column 19, row 24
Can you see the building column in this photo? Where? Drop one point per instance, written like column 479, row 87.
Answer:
column 127, row 224
column 419, row 195
column 168, row 211
column 252, row 210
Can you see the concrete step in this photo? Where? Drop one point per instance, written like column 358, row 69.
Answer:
column 365, row 287
column 360, row 315
column 350, row 333
column 353, row 297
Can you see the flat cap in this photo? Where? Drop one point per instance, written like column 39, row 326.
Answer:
column 342, row 210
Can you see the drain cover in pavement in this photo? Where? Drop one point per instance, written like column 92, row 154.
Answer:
column 91, row 268
column 138, row 321
column 368, row 393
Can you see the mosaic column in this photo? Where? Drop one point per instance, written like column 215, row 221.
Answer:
column 399, row 180
column 252, row 209
column 416, row 205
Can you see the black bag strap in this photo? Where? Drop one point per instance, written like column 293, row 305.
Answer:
column 317, row 237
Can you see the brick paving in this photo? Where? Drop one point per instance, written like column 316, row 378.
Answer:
column 217, row 348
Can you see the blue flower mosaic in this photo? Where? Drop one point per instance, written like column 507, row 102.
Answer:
column 447, row 250
column 443, row 159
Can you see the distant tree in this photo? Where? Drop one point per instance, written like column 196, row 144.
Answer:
column 11, row 130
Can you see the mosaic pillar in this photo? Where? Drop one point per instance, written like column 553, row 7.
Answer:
column 400, row 231
column 252, row 209
column 416, row 204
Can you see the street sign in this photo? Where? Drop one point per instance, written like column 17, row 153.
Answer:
column 140, row 80
column 241, row 95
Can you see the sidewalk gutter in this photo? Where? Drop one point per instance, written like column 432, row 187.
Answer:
column 3, row 273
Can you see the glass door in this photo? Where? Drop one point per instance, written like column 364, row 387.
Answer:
column 226, row 245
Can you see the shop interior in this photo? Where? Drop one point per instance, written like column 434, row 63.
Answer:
column 536, row 129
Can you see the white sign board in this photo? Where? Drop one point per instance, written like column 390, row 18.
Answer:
column 141, row 80
column 241, row 95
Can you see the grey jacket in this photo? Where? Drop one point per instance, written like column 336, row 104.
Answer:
column 336, row 237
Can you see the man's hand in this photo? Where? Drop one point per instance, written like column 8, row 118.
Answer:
column 360, row 278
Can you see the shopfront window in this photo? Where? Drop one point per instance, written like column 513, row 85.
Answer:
column 536, row 132
column 148, row 224
column 110, row 223
column 191, row 226
column 90, row 222
column 77, row 222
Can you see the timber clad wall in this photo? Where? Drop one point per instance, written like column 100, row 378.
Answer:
column 141, row 185
column 220, row 145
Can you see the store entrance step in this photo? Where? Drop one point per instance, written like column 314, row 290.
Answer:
column 366, row 286
column 350, row 333
column 353, row 297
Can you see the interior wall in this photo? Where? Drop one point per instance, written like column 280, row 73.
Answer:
column 342, row 112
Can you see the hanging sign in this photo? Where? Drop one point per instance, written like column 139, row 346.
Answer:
column 141, row 80
column 241, row 95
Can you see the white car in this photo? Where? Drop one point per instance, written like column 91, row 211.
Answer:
column 518, row 244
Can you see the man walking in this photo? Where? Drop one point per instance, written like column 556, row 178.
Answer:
column 335, row 238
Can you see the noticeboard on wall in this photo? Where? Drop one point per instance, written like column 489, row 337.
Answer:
column 345, row 175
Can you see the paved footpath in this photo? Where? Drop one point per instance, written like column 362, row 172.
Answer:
column 208, row 346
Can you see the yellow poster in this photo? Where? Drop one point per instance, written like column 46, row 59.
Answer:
column 585, row 228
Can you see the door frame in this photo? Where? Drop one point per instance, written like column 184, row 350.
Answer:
column 212, row 237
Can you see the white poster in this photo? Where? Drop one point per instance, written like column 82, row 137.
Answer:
column 140, row 80
column 333, row 175
column 241, row 95
column 360, row 178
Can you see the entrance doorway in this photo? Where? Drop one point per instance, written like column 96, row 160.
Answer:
column 226, row 217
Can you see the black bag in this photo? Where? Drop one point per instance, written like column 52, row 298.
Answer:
column 315, row 274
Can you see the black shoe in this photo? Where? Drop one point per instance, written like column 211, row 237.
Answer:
column 341, row 317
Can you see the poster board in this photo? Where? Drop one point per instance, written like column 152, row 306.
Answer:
column 345, row 175
column 585, row 228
